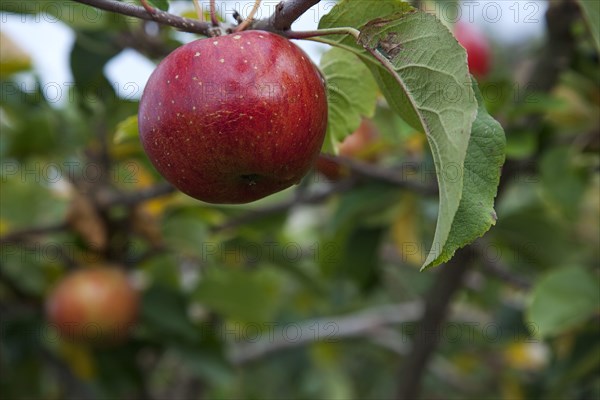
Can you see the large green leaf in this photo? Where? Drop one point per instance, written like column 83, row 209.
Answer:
column 485, row 156
column 563, row 299
column 422, row 71
column 351, row 94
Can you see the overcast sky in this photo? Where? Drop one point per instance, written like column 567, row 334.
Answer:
column 48, row 41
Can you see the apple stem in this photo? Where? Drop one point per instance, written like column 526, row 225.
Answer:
column 213, row 14
column 323, row 32
column 249, row 18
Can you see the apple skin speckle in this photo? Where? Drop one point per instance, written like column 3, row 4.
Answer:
column 261, row 114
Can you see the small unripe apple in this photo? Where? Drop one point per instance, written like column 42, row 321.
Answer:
column 478, row 49
column 358, row 145
column 234, row 118
column 93, row 305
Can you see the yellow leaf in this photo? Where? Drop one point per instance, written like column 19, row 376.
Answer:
column 323, row 353
column 511, row 389
column 13, row 59
column 405, row 233
column 526, row 356
column 144, row 179
column 4, row 226
column 414, row 145
column 79, row 359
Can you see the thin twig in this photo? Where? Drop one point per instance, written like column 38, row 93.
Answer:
column 148, row 7
column 198, row 9
column 498, row 268
column 249, row 18
column 323, row 32
column 213, row 13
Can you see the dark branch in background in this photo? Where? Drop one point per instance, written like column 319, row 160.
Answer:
column 163, row 17
column 388, row 175
column 560, row 48
column 139, row 196
column 558, row 52
column 303, row 198
column 555, row 58
column 437, row 303
column 499, row 269
column 359, row 171
column 25, row 234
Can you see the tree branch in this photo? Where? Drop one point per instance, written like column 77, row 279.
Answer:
column 437, row 303
column 163, row 17
column 328, row 329
column 388, row 175
column 139, row 196
column 499, row 269
column 285, row 14
column 24, row 234
column 303, row 198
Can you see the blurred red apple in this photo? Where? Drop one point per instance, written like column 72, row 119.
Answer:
column 95, row 304
column 357, row 145
column 234, row 118
column 478, row 48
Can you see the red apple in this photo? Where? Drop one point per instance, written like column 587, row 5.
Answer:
column 95, row 304
column 477, row 46
column 234, row 118
column 357, row 145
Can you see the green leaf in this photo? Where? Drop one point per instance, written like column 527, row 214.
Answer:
column 160, row 4
column 185, row 231
column 563, row 184
column 422, row 71
column 248, row 296
column 485, row 157
column 127, row 130
column 90, row 53
column 26, row 199
column 351, row 94
column 563, row 299
column 591, row 11
column 164, row 315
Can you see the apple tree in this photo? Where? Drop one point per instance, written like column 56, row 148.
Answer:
column 257, row 225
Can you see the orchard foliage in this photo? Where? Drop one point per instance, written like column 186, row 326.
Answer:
column 322, row 290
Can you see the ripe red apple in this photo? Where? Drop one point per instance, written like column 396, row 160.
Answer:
column 477, row 46
column 95, row 304
column 234, row 118
column 357, row 145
